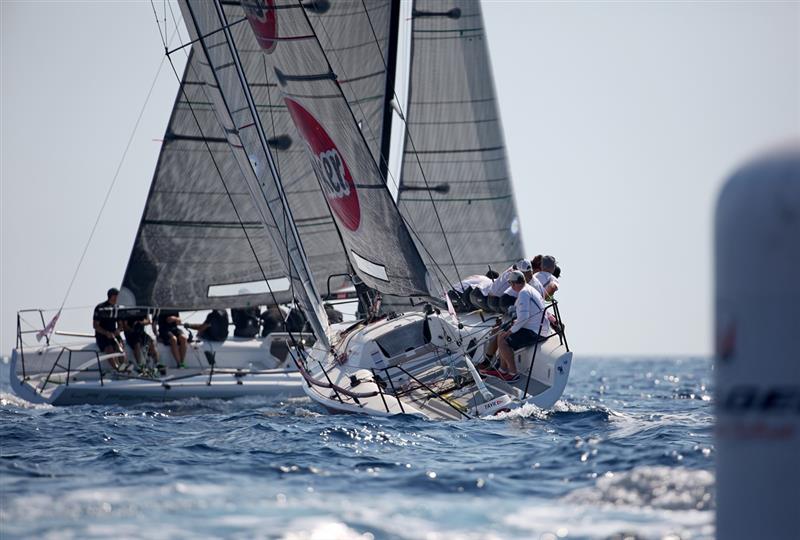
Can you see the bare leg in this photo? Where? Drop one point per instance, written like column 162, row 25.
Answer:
column 173, row 346
column 182, row 340
column 113, row 362
column 138, row 353
column 507, row 357
column 491, row 347
column 152, row 351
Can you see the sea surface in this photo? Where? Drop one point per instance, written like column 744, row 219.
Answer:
column 627, row 453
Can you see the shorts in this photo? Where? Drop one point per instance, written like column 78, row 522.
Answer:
column 164, row 335
column 493, row 303
column 523, row 338
column 138, row 339
column 104, row 342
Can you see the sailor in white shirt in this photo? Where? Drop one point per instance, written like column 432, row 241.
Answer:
column 533, row 283
column 529, row 328
column 546, row 278
column 479, row 294
column 478, row 281
column 526, row 329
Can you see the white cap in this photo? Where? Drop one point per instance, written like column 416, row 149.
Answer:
column 524, row 265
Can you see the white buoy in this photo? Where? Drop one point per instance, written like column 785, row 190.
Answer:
column 757, row 363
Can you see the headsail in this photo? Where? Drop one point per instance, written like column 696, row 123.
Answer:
column 376, row 239
column 454, row 133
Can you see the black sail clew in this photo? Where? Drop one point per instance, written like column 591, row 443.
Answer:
column 454, row 153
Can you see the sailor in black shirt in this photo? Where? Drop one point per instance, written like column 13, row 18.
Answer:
column 245, row 321
column 142, row 344
column 272, row 320
column 106, row 329
column 214, row 328
column 169, row 334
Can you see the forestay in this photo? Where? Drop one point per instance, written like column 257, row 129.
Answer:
column 454, row 153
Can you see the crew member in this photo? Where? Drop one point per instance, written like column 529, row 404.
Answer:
column 497, row 299
column 529, row 308
column 169, row 334
column 214, row 328
column 106, row 328
column 546, row 276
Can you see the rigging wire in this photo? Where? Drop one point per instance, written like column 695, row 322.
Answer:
column 289, row 225
column 278, row 168
column 214, row 161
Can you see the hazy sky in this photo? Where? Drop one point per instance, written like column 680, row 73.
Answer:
column 621, row 120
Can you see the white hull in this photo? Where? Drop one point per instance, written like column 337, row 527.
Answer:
column 243, row 367
column 273, row 383
column 431, row 379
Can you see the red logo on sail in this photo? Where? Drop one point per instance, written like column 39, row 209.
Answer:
column 329, row 166
column 264, row 22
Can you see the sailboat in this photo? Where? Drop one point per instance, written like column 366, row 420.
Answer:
column 279, row 55
column 274, row 176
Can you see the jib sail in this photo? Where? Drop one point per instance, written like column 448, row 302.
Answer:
column 454, row 153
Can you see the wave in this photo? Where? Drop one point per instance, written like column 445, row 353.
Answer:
column 8, row 400
column 562, row 411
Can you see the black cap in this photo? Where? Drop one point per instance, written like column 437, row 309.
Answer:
column 112, row 292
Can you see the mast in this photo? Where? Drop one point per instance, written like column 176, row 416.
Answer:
column 391, row 68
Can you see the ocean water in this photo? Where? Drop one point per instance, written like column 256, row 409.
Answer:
column 627, row 453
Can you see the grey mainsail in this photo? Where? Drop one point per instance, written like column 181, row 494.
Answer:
column 454, row 152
